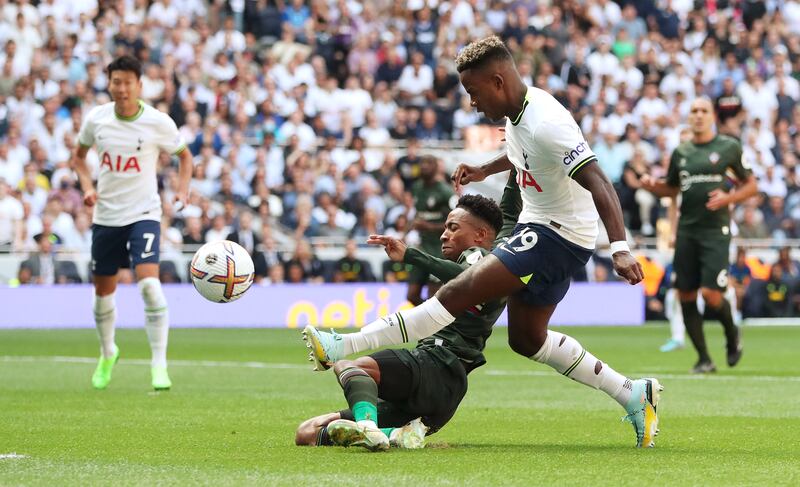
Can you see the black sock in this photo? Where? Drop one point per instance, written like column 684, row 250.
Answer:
column 725, row 316
column 322, row 437
column 694, row 328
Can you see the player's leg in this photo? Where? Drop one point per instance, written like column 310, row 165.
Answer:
column 529, row 336
column 144, row 250
column 314, row 432
column 359, row 380
column 672, row 310
column 714, row 282
column 487, row 280
column 687, row 267
column 108, row 251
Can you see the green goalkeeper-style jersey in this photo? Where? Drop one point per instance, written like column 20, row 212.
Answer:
column 698, row 169
column 432, row 204
column 466, row 337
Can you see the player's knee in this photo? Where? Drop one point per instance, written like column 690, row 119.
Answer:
column 712, row 297
column 527, row 343
column 341, row 365
column 152, row 294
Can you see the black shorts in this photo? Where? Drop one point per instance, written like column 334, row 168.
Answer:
column 701, row 260
column 115, row 247
column 543, row 260
column 418, row 383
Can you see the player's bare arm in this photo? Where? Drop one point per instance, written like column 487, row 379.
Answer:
column 720, row 199
column 465, row 174
column 84, row 176
column 185, row 168
column 605, row 199
column 658, row 187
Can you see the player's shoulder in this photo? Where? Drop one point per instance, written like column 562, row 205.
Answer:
column 728, row 142
column 472, row 255
column 685, row 148
column 150, row 112
column 99, row 111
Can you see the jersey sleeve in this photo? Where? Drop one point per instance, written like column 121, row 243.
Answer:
column 86, row 134
column 561, row 143
column 510, row 206
column 673, row 177
column 739, row 164
column 443, row 269
column 171, row 139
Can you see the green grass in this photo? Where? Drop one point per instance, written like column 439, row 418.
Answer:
column 232, row 423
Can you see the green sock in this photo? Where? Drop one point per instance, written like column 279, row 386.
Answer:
column 387, row 431
column 364, row 410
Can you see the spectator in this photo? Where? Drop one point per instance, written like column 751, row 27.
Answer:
column 351, row 269
column 304, row 266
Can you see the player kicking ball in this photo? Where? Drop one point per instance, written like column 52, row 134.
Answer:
column 128, row 136
column 395, row 396
column 563, row 190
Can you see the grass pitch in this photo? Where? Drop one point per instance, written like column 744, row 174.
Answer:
column 238, row 396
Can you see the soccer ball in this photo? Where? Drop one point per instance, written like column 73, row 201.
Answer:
column 222, row 271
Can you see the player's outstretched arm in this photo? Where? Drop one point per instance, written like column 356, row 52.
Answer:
column 465, row 174
column 605, row 199
column 84, row 176
column 398, row 251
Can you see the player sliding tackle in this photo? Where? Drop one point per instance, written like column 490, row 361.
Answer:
column 563, row 190
column 429, row 381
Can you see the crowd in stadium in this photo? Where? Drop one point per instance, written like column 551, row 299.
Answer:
column 308, row 118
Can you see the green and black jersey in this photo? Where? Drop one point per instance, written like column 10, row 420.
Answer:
column 432, row 204
column 466, row 337
column 698, row 169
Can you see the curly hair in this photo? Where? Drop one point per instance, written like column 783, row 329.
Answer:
column 484, row 208
column 478, row 53
column 125, row 63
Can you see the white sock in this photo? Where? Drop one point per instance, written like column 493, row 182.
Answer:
column 569, row 358
column 105, row 314
column 156, row 319
column 672, row 307
column 402, row 327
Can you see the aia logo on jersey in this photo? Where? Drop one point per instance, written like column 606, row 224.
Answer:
column 571, row 156
column 525, row 179
column 119, row 164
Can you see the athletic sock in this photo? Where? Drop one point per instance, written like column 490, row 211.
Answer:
column 675, row 315
column 402, row 327
column 105, row 315
column 694, row 327
column 568, row 357
column 725, row 316
column 156, row 319
column 361, row 393
column 387, row 431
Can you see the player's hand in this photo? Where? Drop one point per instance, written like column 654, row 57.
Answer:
column 465, row 174
column 395, row 248
column 180, row 200
column 648, row 182
column 628, row 267
column 717, row 199
column 90, row 198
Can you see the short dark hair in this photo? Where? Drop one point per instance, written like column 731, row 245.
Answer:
column 484, row 208
column 125, row 63
column 479, row 53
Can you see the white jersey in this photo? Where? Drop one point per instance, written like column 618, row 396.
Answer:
column 547, row 148
column 127, row 186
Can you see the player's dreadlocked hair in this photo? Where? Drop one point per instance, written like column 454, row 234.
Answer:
column 480, row 52
column 484, row 208
column 125, row 63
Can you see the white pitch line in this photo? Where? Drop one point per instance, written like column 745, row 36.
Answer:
column 179, row 363
column 712, row 377
column 494, row 372
column 11, row 456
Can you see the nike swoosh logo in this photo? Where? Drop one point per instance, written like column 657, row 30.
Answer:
column 147, row 254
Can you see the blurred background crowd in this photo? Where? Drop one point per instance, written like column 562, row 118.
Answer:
column 309, row 121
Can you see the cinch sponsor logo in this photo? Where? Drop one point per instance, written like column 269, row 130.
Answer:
column 131, row 164
column 572, row 156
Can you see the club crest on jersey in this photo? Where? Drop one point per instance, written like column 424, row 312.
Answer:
column 117, row 164
column 571, row 156
column 713, row 158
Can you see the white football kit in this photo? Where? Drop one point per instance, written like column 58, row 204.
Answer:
column 128, row 148
column 547, row 149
